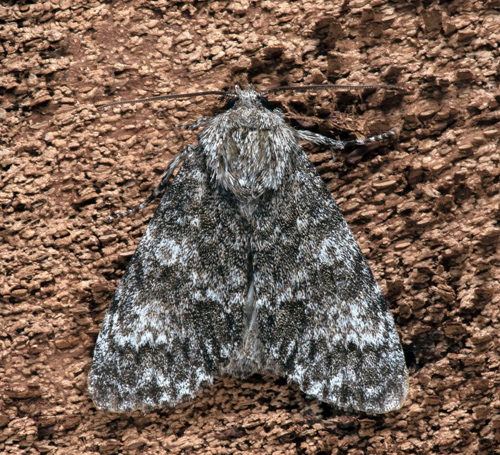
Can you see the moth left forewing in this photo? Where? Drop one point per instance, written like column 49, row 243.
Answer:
column 322, row 320
column 177, row 318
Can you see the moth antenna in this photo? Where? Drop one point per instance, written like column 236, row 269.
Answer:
column 167, row 97
column 330, row 87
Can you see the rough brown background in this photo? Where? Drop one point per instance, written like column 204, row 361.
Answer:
column 425, row 209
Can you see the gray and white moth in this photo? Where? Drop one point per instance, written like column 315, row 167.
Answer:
column 248, row 266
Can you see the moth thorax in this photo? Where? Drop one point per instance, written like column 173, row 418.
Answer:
column 249, row 162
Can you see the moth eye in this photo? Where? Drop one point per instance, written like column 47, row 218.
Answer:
column 265, row 103
column 230, row 103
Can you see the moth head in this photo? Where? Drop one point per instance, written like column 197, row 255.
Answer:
column 246, row 97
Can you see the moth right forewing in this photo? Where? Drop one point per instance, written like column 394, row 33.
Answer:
column 323, row 322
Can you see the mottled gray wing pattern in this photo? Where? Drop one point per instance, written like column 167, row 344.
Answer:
column 322, row 321
column 177, row 316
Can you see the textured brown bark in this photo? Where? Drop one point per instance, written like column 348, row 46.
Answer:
column 424, row 209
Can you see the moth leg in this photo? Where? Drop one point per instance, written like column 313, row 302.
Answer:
column 192, row 126
column 160, row 189
column 319, row 139
column 376, row 138
column 333, row 144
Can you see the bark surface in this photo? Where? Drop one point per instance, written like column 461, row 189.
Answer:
column 425, row 208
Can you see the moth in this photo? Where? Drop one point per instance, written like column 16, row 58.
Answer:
column 248, row 266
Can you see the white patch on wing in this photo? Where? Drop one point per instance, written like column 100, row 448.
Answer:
column 170, row 250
